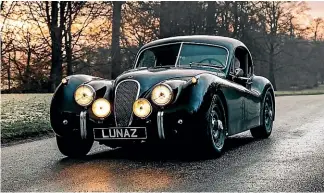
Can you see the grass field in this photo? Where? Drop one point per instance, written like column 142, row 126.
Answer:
column 313, row 91
column 27, row 115
column 24, row 116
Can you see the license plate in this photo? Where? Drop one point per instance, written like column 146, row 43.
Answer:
column 120, row 133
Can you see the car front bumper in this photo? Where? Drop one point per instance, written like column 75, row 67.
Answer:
column 161, row 125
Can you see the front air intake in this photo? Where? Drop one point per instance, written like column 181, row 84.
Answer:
column 126, row 93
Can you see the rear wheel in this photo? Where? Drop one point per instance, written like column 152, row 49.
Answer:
column 215, row 127
column 264, row 131
column 73, row 146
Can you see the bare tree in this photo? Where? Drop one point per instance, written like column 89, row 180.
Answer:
column 115, row 45
column 318, row 24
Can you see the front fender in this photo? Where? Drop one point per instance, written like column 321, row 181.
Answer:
column 64, row 107
column 260, row 85
column 193, row 100
column 192, row 96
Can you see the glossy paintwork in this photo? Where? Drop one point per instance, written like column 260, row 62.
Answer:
column 152, row 76
column 242, row 101
column 229, row 43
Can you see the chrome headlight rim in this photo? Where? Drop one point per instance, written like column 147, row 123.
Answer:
column 171, row 93
column 93, row 97
column 108, row 112
column 150, row 107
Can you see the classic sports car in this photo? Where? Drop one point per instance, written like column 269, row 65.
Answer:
column 200, row 89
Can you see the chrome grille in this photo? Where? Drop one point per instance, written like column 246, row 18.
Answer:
column 125, row 95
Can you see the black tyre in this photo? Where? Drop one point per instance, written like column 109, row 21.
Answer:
column 74, row 147
column 215, row 127
column 267, row 115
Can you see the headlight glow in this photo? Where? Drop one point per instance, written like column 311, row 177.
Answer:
column 64, row 81
column 101, row 108
column 162, row 94
column 84, row 95
column 194, row 80
column 142, row 108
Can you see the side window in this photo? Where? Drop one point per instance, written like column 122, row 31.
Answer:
column 245, row 60
column 239, row 59
column 147, row 59
column 232, row 69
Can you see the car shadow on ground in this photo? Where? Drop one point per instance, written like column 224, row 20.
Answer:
column 162, row 152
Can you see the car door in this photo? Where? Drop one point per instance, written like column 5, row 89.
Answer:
column 252, row 110
column 249, row 100
column 252, row 102
column 236, row 99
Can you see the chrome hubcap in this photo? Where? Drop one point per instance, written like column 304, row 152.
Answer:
column 268, row 113
column 216, row 128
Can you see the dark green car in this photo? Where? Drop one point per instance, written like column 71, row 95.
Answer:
column 194, row 89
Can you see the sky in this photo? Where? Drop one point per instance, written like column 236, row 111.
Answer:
column 317, row 8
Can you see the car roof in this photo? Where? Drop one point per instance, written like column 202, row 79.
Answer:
column 229, row 43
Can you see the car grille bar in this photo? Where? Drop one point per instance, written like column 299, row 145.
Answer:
column 126, row 93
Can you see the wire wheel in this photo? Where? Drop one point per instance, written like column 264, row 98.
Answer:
column 268, row 112
column 267, row 117
column 216, row 124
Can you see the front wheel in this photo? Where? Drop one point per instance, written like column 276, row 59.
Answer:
column 74, row 147
column 264, row 131
column 215, row 127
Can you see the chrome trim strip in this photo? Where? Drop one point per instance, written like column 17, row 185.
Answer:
column 160, row 125
column 138, row 91
column 181, row 43
column 178, row 55
column 83, row 124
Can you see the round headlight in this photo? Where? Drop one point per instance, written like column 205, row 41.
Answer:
column 142, row 108
column 84, row 95
column 162, row 94
column 101, row 108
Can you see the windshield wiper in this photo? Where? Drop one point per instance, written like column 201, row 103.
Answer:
column 204, row 64
column 162, row 66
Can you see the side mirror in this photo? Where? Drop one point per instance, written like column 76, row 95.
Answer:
column 238, row 72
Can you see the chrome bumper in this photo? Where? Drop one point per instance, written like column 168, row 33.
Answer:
column 83, row 124
column 160, row 125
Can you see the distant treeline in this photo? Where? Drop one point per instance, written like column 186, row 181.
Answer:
column 44, row 41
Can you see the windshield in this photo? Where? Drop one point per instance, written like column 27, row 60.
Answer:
column 165, row 55
column 190, row 54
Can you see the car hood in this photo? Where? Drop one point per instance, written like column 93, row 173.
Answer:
column 149, row 77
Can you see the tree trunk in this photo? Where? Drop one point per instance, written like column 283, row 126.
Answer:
column 164, row 20
column 236, row 20
column 115, row 46
column 68, row 40
column 271, row 67
column 9, row 77
column 27, row 72
column 210, row 19
column 56, row 68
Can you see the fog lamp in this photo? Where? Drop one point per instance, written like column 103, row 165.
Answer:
column 142, row 108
